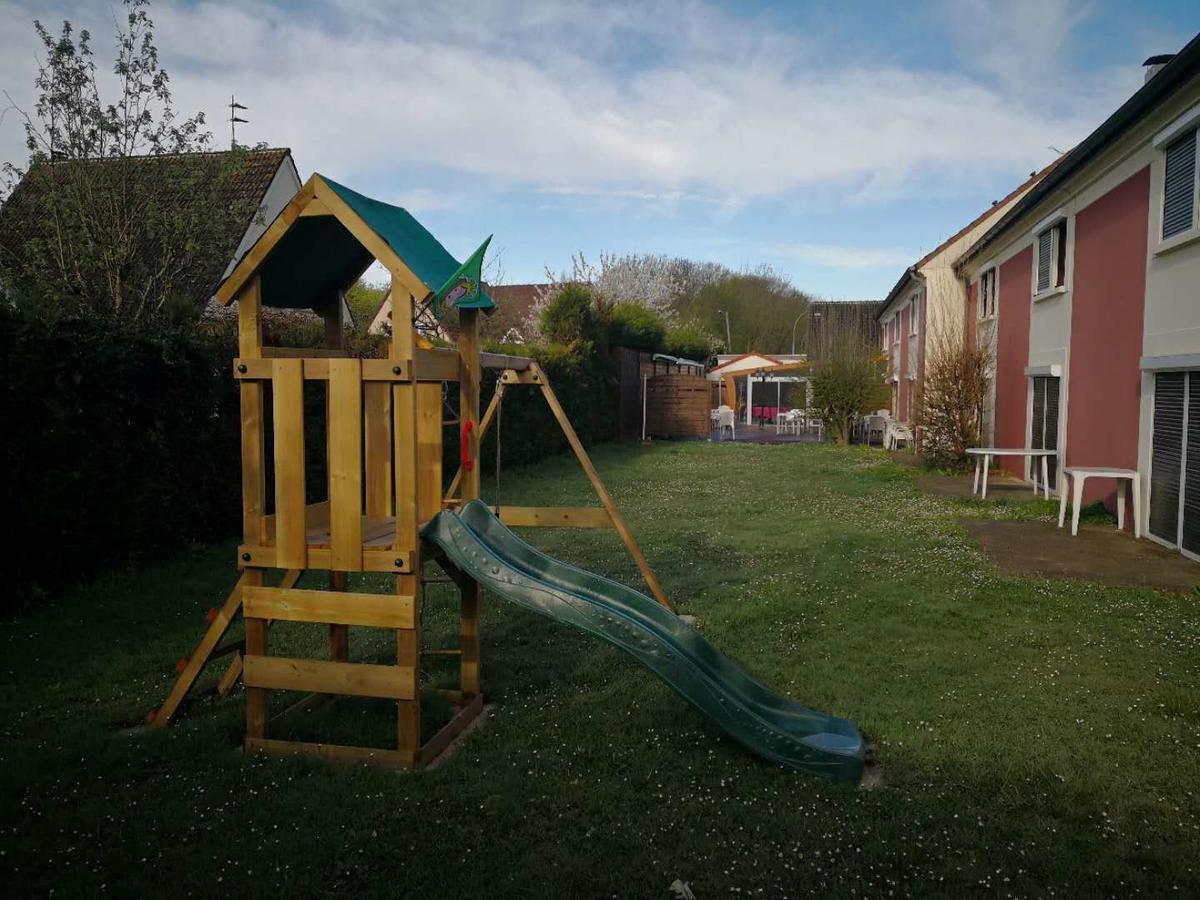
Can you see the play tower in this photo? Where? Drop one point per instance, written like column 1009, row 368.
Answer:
column 384, row 460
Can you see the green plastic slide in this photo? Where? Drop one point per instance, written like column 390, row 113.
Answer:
column 770, row 725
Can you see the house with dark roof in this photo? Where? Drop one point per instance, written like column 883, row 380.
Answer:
column 1089, row 288
column 925, row 308
column 261, row 185
column 514, row 305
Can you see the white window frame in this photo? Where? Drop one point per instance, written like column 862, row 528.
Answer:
column 1189, row 121
column 1052, row 223
column 896, row 344
column 987, row 302
column 914, row 311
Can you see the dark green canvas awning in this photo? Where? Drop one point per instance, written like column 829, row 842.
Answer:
column 318, row 256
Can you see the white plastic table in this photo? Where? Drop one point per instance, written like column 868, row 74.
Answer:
column 1079, row 475
column 983, row 461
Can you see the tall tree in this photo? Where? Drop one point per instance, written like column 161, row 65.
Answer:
column 118, row 211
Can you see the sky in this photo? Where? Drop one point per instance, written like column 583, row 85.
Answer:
column 835, row 142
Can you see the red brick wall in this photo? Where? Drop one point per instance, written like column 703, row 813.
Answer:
column 1107, row 297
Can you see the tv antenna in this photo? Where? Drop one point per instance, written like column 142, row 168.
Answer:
column 234, row 118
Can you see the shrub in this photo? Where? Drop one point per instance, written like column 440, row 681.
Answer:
column 843, row 386
column 633, row 325
column 569, row 315
column 950, row 399
column 690, row 340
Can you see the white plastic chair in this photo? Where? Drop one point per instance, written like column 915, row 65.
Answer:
column 788, row 422
column 817, row 424
column 877, row 424
column 898, row 432
column 725, row 419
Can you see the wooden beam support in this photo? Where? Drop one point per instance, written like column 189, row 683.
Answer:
column 362, row 756
column 200, row 656
column 334, row 607
column 316, row 368
column 283, row 673
column 504, row 361
column 555, row 516
column 601, row 491
column 396, row 562
column 446, row 735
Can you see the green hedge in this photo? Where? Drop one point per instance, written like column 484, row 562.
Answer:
column 119, row 445
column 124, row 444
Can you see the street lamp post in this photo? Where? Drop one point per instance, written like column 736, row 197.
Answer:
column 802, row 315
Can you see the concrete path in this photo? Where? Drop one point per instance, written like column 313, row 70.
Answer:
column 1099, row 553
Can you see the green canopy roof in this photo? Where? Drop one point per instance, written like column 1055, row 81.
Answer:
column 318, row 257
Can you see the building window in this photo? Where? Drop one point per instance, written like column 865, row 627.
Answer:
column 896, row 345
column 914, row 307
column 1174, row 517
column 1043, row 426
column 987, row 294
column 1051, row 247
column 1180, row 186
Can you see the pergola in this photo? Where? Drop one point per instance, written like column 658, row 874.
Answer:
column 763, row 369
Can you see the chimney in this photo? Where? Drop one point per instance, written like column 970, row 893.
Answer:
column 1154, row 63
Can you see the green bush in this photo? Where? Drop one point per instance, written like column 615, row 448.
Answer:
column 569, row 315
column 845, row 384
column 633, row 325
column 690, row 340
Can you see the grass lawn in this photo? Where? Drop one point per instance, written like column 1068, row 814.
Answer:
column 1035, row 737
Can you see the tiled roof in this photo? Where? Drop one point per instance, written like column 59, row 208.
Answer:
column 1016, row 192
column 246, row 187
column 517, row 297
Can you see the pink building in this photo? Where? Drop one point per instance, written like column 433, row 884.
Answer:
column 1088, row 290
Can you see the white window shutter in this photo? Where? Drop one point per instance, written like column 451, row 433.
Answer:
column 1179, row 186
column 1045, row 251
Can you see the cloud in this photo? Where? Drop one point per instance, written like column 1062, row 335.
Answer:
column 838, row 256
column 593, row 99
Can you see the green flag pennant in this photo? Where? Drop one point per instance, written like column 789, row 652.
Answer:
column 464, row 289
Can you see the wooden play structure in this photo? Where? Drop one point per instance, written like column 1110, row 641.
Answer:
column 384, row 452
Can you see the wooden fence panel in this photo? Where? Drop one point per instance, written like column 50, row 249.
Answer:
column 345, row 464
column 287, row 381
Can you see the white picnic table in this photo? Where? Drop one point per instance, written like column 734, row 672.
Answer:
column 983, row 461
column 1080, row 474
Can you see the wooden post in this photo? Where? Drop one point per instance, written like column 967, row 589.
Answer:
column 407, row 477
column 254, row 483
column 339, row 635
column 256, row 645
column 468, row 395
